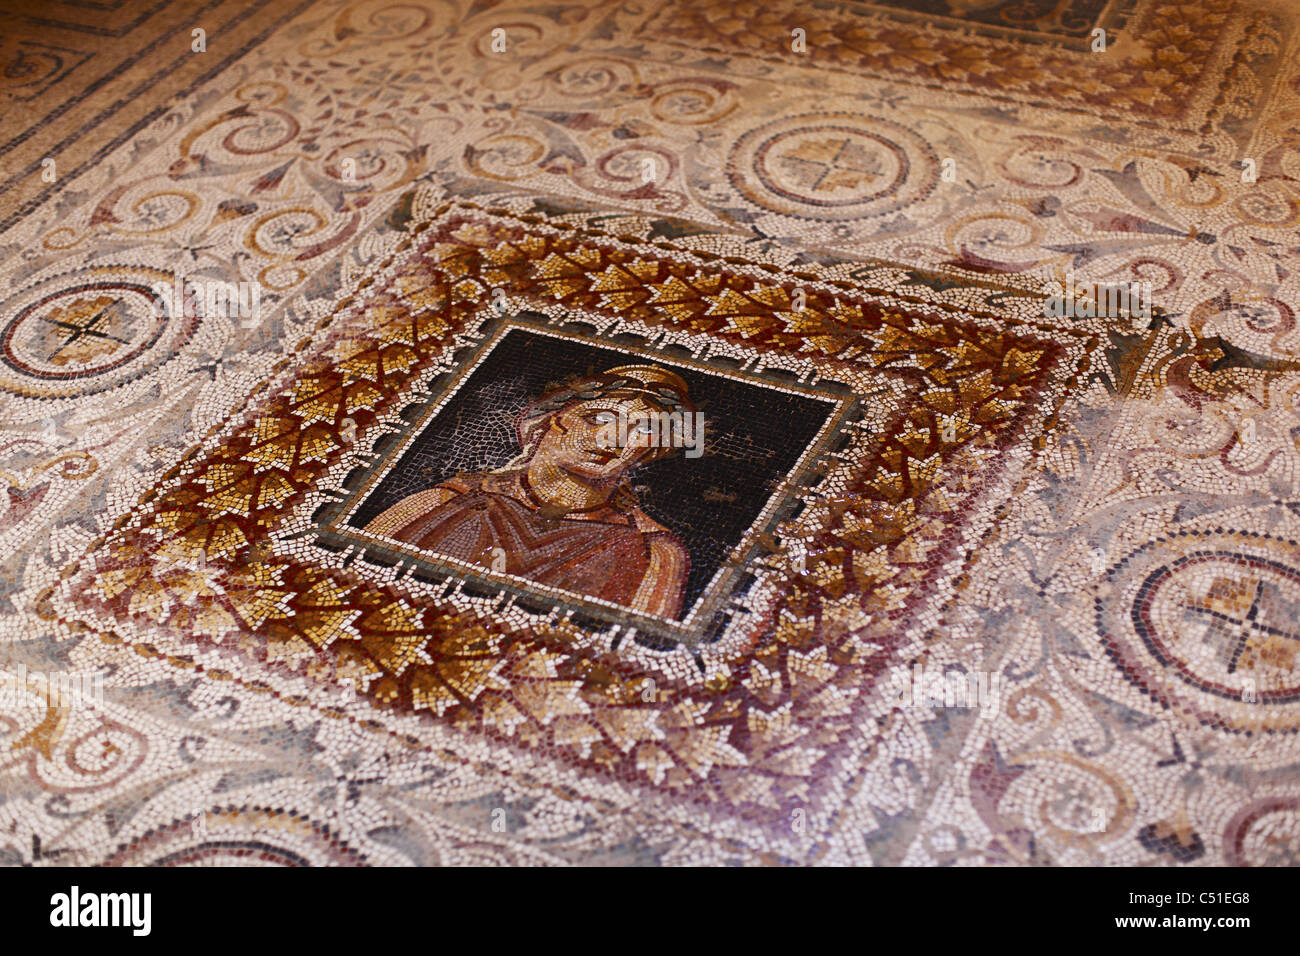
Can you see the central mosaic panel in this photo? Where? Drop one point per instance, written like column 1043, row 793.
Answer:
column 554, row 468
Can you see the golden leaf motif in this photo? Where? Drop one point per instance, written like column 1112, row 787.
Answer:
column 629, row 726
column 547, row 700
column 701, row 748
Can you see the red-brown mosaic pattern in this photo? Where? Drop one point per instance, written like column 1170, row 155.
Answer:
column 1164, row 76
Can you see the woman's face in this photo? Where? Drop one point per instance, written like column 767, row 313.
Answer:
column 587, row 442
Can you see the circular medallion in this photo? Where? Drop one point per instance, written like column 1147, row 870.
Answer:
column 88, row 337
column 1264, row 833
column 227, row 836
column 1209, row 624
column 832, row 166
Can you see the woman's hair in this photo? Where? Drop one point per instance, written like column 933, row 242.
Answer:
column 658, row 387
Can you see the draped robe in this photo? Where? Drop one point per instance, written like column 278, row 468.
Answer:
column 615, row 553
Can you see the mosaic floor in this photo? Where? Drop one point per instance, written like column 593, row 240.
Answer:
column 674, row 433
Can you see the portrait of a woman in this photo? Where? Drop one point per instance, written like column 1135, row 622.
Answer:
column 563, row 512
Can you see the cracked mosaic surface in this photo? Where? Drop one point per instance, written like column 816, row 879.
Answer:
column 909, row 468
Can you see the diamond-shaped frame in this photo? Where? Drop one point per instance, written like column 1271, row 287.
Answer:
column 769, row 718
